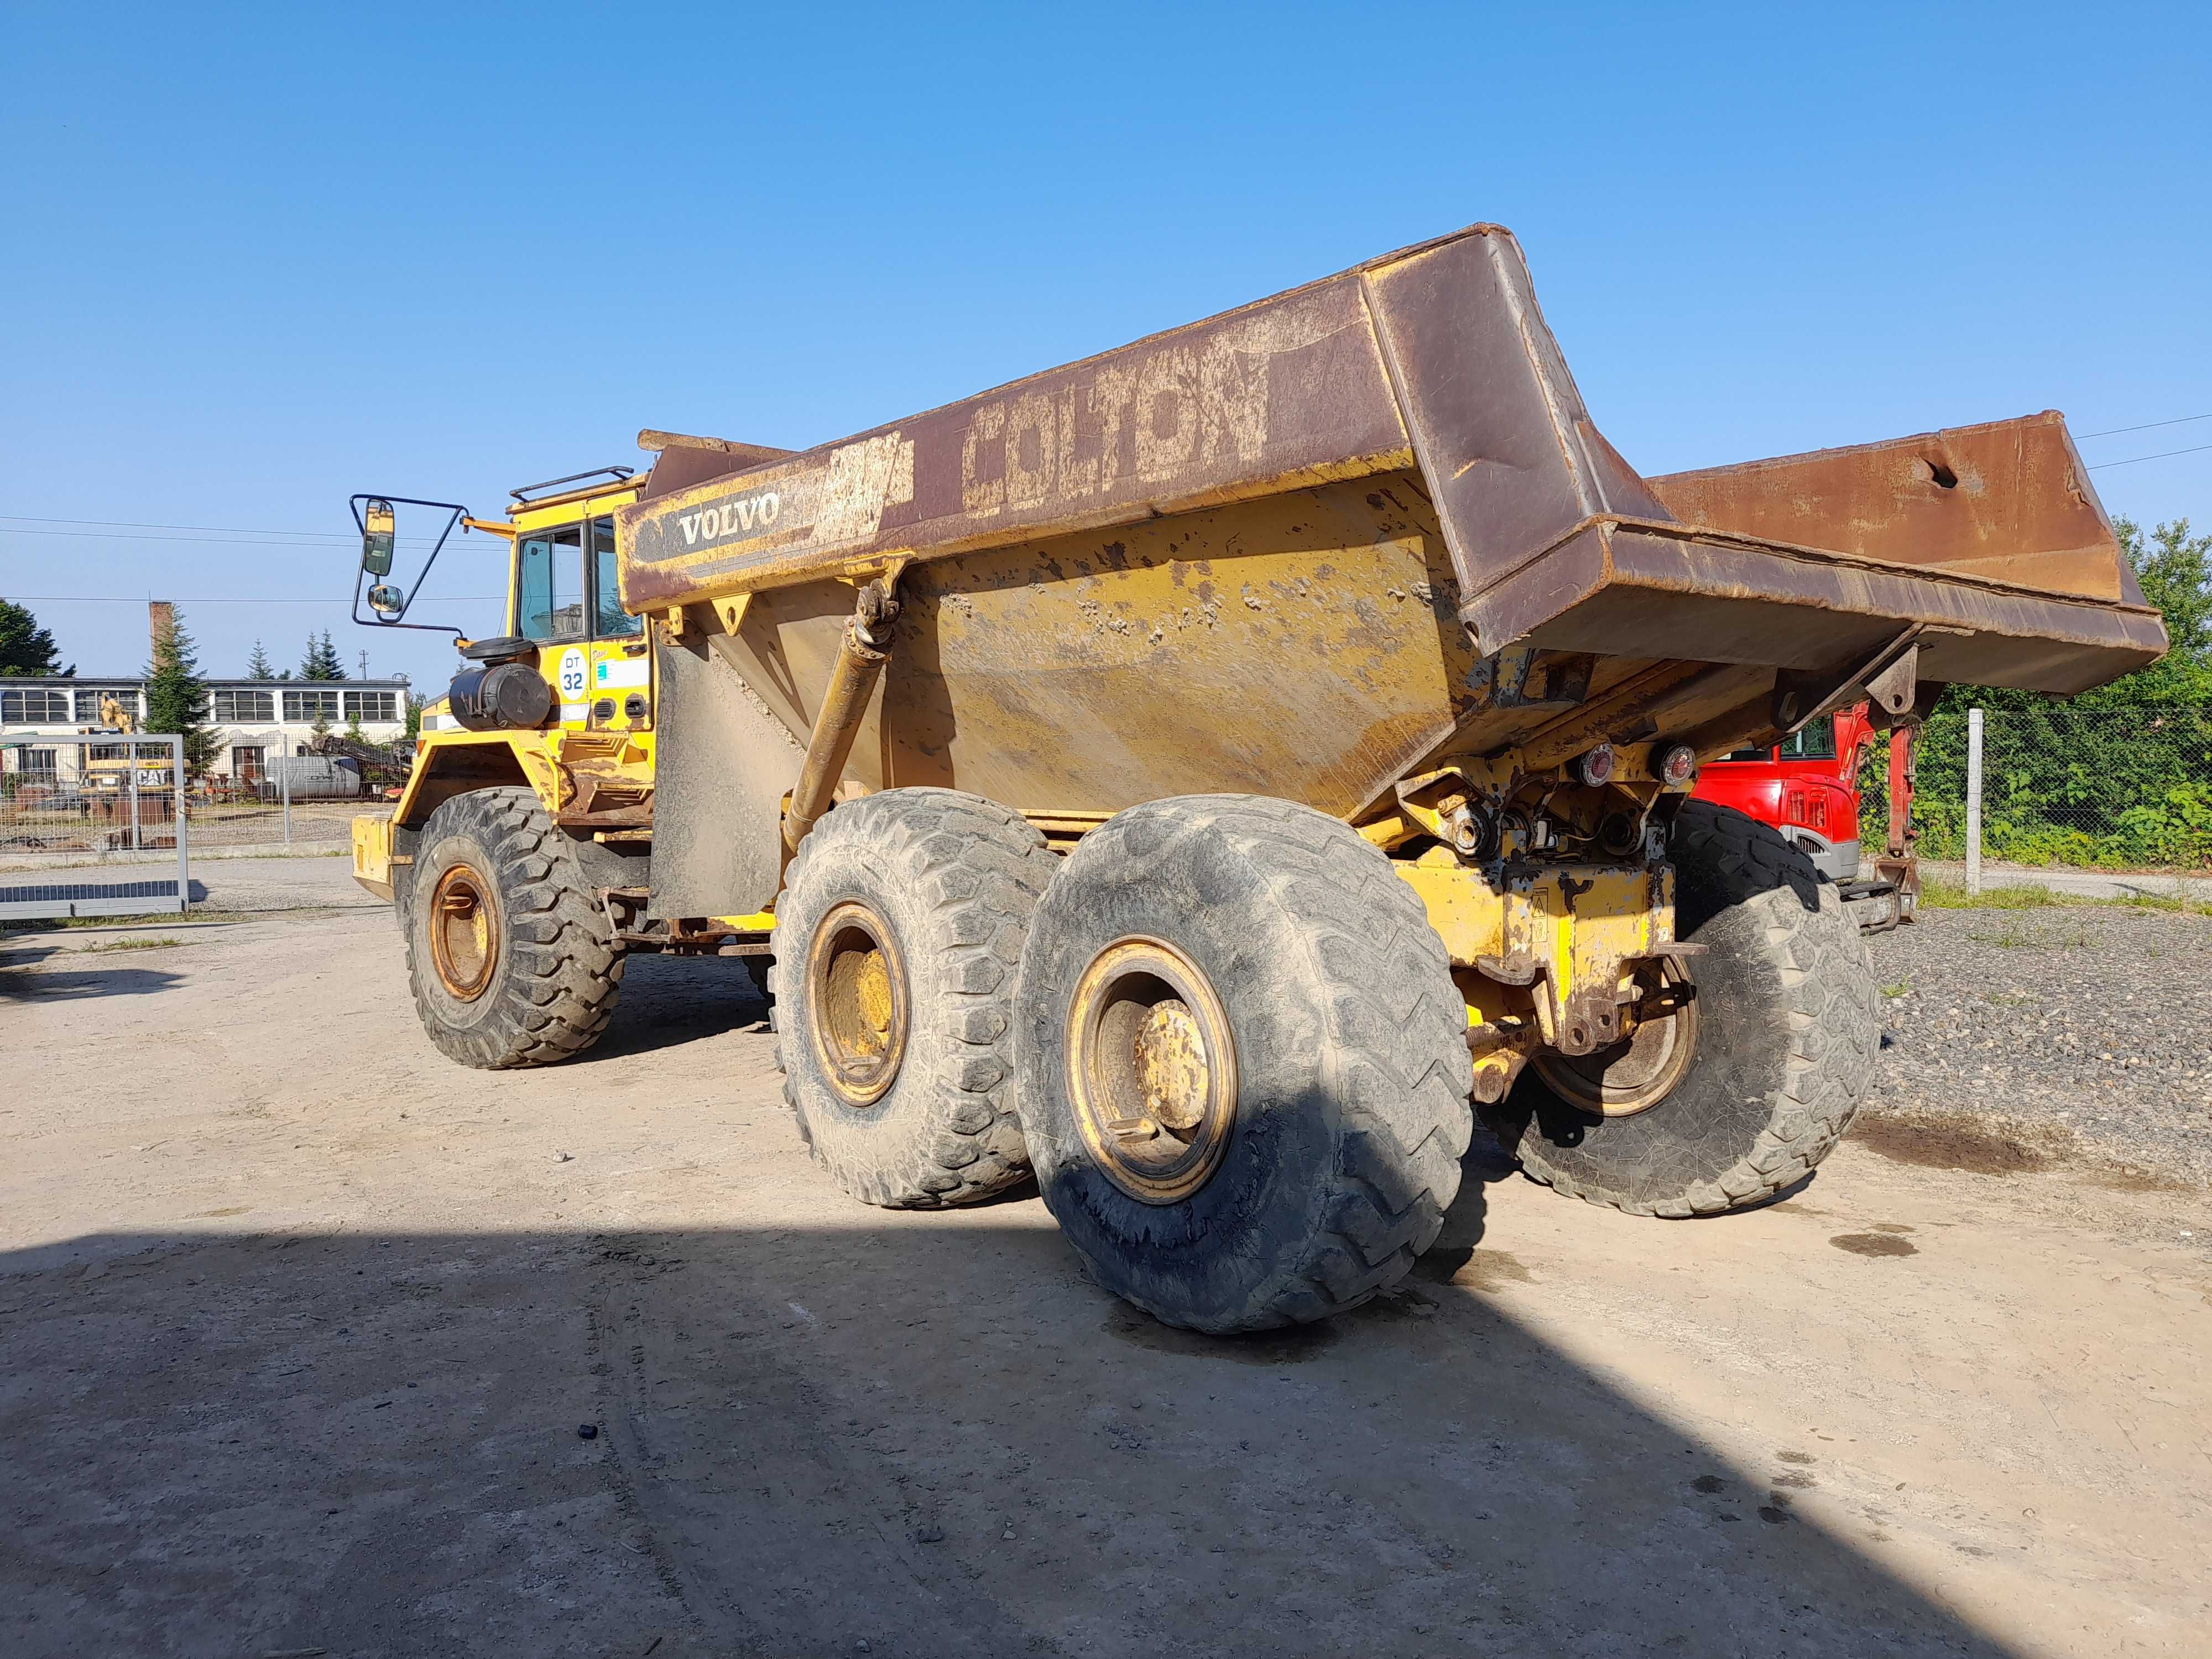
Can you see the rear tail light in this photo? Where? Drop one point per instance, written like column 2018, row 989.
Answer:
column 1677, row 764
column 1596, row 768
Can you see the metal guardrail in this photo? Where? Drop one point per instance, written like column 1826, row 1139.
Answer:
column 113, row 793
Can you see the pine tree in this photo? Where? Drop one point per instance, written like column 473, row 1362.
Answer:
column 256, row 665
column 177, row 698
column 25, row 647
column 321, row 662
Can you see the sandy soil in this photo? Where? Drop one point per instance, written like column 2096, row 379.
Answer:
column 299, row 1326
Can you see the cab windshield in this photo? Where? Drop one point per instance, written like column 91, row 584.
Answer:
column 560, row 594
column 550, row 583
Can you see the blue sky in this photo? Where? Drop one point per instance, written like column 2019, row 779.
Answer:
column 260, row 259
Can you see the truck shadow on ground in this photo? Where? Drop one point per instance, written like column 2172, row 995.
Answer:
column 667, row 1001
column 929, row 1434
column 24, row 977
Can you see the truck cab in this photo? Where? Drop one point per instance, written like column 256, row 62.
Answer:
column 560, row 701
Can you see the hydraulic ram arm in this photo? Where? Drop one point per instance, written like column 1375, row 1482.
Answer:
column 861, row 654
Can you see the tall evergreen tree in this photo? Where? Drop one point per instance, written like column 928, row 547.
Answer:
column 321, row 662
column 25, row 647
column 177, row 698
column 256, row 665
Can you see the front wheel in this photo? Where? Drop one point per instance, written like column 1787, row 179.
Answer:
column 1241, row 1063
column 509, row 960
column 1738, row 1095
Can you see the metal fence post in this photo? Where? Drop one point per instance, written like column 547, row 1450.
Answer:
column 184, row 859
column 1973, row 801
column 131, row 774
column 285, row 787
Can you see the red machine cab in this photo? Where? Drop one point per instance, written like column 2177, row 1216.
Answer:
column 1807, row 786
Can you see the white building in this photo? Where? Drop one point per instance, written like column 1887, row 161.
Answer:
column 254, row 721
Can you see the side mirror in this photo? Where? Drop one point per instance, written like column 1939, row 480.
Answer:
column 384, row 599
column 377, row 539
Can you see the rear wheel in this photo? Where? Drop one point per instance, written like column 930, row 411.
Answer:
column 896, row 942
column 1739, row 1095
column 508, row 958
column 1241, row 1063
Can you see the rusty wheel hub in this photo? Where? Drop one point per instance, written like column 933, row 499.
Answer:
column 464, row 933
column 1632, row 1075
column 856, row 1003
column 1152, row 1071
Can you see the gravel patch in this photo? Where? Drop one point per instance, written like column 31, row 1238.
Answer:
column 2020, row 1039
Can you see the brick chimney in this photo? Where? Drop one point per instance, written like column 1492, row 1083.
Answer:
column 161, row 622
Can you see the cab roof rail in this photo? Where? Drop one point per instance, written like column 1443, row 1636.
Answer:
column 619, row 474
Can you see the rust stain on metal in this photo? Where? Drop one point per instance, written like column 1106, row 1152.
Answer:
column 2006, row 499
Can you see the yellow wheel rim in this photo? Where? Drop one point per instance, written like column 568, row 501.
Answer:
column 464, row 933
column 1152, row 1071
column 1632, row 1075
column 856, row 1003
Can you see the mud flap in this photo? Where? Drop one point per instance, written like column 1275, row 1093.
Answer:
column 723, row 765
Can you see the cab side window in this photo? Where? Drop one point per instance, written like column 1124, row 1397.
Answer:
column 1816, row 742
column 610, row 621
column 550, row 583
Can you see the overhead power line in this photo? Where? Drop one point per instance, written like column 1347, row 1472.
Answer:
column 203, row 541
column 2114, row 431
column 2194, row 449
column 111, row 598
column 212, row 529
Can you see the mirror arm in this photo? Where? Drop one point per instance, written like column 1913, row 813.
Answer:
column 455, row 514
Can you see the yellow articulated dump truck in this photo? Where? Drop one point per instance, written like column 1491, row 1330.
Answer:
column 1206, row 776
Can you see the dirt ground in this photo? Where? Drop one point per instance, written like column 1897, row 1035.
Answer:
column 300, row 1326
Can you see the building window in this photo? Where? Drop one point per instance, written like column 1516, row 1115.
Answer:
column 369, row 705
column 248, row 761
column 87, row 701
column 33, row 706
column 37, row 760
column 310, row 705
column 243, row 705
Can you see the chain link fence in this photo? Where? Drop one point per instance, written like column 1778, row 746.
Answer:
column 2098, row 788
column 71, row 801
column 117, row 799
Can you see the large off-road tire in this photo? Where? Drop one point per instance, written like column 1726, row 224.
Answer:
column 1251, row 979
column 508, row 958
column 1788, row 1029
column 896, row 942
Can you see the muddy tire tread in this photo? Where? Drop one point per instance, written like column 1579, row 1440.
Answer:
column 1389, row 983
column 982, row 869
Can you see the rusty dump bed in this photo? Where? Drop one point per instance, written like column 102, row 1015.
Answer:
column 1313, row 546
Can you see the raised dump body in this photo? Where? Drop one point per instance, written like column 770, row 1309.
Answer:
column 1306, row 549
column 1204, row 774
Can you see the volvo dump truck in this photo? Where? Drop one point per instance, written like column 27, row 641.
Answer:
column 1206, row 776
